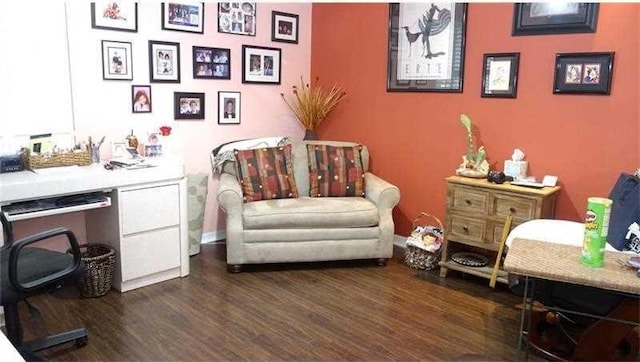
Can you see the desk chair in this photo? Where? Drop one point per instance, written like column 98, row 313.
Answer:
column 26, row 270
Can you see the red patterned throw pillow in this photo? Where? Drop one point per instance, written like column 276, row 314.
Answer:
column 335, row 171
column 266, row 173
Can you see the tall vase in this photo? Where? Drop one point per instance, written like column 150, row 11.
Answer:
column 310, row 134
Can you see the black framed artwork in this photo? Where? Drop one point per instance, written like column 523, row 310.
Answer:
column 500, row 75
column 284, row 27
column 426, row 47
column 183, row 16
column 115, row 15
column 211, row 63
column 261, row 65
column 237, row 18
column 164, row 62
column 117, row 61
column 229, row 108
column 188, row 105
column 583, row 73
column 141, row 98
column 542, row 18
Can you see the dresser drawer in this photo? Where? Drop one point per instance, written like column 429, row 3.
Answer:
column 152, row 252
column 520, row 209
column 138, row 207
column 469, row 200
column 467, row 229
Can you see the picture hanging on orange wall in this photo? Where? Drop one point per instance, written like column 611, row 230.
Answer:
column 583, row 73
column 426, row 47
column 558, row 17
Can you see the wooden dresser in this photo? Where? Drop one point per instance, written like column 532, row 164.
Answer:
column 476, row 211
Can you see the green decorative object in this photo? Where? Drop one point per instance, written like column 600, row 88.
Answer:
column 474, row 163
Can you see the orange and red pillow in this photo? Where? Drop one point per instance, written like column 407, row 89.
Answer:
column 266, row 173
column 335, row 171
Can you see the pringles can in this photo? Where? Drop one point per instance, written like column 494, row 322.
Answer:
column 596, row 228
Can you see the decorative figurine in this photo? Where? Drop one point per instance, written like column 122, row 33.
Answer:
column 474, row 163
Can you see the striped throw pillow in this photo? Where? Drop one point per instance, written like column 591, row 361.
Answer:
column 266, row 173
column 335, row 171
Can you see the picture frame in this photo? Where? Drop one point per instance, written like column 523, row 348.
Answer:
column 237, row 18
column 432, row 65
column 583, row 73
column 141, row 99
column 117, row 60
column 229, row 107
column 261, row 65
column 153, row 146
column 500, row 75
column 115, row 15
column 187, row 16
column 211, row 63
column 284, row 27
column 543, row 18
column 164, row 62
column 188, row 105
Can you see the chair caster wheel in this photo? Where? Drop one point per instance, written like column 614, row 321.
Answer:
column 82, row 341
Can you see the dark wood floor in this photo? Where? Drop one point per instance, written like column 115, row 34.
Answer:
column 329, row 311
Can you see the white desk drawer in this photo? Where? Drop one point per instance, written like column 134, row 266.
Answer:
column 148, row 253
column 150, row 208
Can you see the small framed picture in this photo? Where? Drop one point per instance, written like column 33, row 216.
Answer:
column 260, row 65
column 500, row 75
column 284, row 27
column 183, row 16
column 229, row 107
column 237, row 18
column 211, row 63
column 164, row 62
column 116, row 60
column 583, row 73
column 115, row 15
column 188, row 105
column 141, row 98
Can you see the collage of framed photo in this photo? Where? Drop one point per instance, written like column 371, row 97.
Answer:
column 237, row 18
column 284, row 27
column 583, row 73
column 260, row 65
column 211, row 63
column 188, row 105
column 229, row 107
column 117, row 61
column 164, row 62
column 183, row 16
column 500, row 75
column 115, row 15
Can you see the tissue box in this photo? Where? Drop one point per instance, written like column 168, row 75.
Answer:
column 516, row 169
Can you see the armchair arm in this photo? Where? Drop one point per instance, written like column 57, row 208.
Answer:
column 229, row 194
column 38, row 283
column 382, row 193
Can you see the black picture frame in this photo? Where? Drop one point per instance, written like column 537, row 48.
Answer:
column 117, row 60
column 188, row 105
column 261, row 65
column 284, row 27
column 238, row 18
column 409, row 69
column 138, row 105
column 229, row 116
column 115, row 15
column 211, row 63
column 180, row 16
column 583, row 73
column 164, row 62
column 543, row 18
column 500, row 75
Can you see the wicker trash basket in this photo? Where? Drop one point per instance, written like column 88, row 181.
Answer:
column 99, row 261
column 423, row 247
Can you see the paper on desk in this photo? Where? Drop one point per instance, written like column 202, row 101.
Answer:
column 55, row 170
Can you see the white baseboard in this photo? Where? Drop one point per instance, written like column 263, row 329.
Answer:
column 213, row 237
column 399, row 241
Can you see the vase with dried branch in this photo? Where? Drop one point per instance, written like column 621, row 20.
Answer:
column 312, row 103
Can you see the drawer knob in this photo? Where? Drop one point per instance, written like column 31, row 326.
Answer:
column 513, row 210
column 467, row 201
column 465, row 229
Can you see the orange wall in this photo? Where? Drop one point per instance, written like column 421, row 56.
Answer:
column 416, row 140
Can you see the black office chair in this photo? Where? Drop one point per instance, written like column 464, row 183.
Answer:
column 27, row 270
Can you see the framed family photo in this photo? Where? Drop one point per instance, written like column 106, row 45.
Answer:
column 426, row 44
column 164, row 62
column 260, row 65
column 229, row 107
column 141, row 98
column 116, row 60
column 284, row 27
column 583, row 73
column 183, row 16
column 540, row 18
column 115, row 15
column 211, row 63
column 188, row 105
column 500, row 75
column 237, row 18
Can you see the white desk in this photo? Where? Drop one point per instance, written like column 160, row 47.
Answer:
column 146, row 222
column 8, row 351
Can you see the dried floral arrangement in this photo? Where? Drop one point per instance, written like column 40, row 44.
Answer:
column 312, row 104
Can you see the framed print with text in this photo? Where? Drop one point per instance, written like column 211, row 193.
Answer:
column 229, row 107
column 164, row 62
column 260, row 65
column 500, row 75
column 116, row 60
column 541, row 18
column 583, row 73
column 115, row 15
column 183, row 16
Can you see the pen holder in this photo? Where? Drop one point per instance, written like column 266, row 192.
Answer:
column 95, row 154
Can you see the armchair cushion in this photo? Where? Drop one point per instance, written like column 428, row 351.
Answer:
column 266, row 173
column 335, row 171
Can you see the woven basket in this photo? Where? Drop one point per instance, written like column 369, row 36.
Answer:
column 80, row 158
column 418, row 258
column 99, row 261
